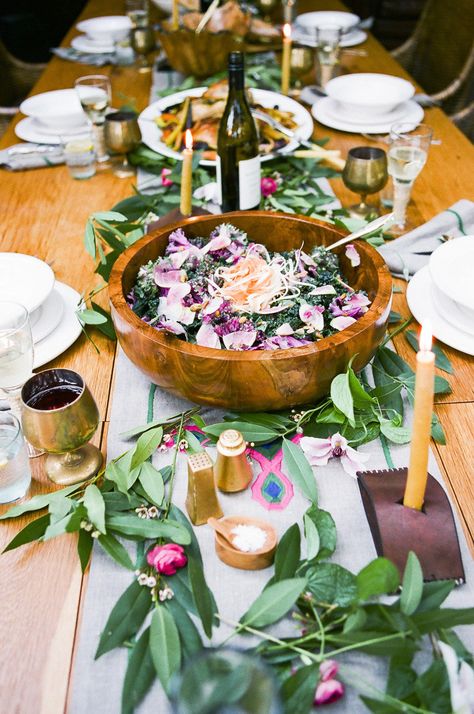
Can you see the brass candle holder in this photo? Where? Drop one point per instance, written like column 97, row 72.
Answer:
column 59, row 415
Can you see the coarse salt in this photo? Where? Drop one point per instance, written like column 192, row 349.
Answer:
column 248, row 538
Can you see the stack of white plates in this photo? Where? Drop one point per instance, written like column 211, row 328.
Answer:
column 101, row 33
column 51, row 115
column 52, row 305
column 367, row 103
column 442, row 293
column 306, row 24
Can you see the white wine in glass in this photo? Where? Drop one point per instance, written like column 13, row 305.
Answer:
column 95, row 93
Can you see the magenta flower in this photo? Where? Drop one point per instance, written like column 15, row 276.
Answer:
column 268, row 186
column 165, row 181
column 167, row 559
column 328, row 691
column 353, row 255
column 319, row 451
column 328, row 669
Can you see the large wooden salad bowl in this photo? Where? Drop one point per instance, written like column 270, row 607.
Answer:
column 251, row 380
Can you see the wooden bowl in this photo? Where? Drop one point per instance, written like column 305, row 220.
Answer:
column 198, row 55
column 236, row 558
column 260, row 380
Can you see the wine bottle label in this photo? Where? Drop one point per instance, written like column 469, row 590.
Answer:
column 249, row 183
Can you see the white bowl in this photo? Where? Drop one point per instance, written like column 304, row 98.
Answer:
column 452, row 271
column 368, row 94
column 310, row 20
column 59, row 109
column 25, row 279
column 107, row 29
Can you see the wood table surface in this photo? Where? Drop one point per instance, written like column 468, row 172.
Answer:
column 43, row 212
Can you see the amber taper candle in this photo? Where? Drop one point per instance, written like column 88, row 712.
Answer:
column 187, row 176
column 175, row 15
column 286, row 59
column 421, row 433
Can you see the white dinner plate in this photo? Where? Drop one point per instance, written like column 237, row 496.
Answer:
column 356, row 37
column 151, row 133
column 333, row 109
column 47, row 316
column 452, row 312
column 25, row 279
column 65, row 334
column 421, row 303
column 413, row 113
column 29, row 130
column 452, row 270
column 82, row 43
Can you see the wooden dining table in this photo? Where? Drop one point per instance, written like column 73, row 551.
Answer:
column 43, row 213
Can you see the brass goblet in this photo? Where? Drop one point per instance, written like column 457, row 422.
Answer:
column 301, row 62
column 142, row 39
column 122, row 134
column 365, row 172
column 59, row 415
column 267, row 8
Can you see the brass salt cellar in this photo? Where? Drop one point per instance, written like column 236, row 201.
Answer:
column 232, row 470
column 201, row 501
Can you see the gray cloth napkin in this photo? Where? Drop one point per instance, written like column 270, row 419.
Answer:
column 97, row 60
column 31, row 156
column 408, row 254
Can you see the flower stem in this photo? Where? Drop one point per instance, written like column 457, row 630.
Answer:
column 396, row 331
column 173, row 465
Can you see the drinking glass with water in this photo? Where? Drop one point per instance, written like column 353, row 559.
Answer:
column 15, row 475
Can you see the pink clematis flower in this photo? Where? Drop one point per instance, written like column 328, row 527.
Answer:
column 353, row 255
column 319, row 451
column 165, row 181
column 328, row 669
column 328, row 691
column 312, row 315
column 268, row 186
column 167, row 559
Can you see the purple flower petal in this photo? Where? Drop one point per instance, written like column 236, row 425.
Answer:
column 240, row 340
column 207, row 337
column 353, row 255
column 165, row 278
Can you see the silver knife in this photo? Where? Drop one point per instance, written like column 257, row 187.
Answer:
column 281, row 128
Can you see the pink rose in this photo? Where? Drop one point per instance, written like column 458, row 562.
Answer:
column 328, row 669
column 328, row 692
column 166, row 559
column 165, row 181
column 268, row 186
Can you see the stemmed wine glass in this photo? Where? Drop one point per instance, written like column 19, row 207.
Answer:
column 301, row 62
column 122, row 134
column 142, row 39
column 365, row 172
column 328, row 47
column 95, row 95
column 407, row 154
column 16, row 354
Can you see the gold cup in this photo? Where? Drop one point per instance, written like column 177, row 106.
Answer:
column 301, row 62
column 232, row 470
column 365, row 172
column 59, row 415
column 201, row 500
column 142, row 39
column 122, row 134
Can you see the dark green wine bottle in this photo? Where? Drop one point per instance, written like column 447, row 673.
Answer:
column 238, row 157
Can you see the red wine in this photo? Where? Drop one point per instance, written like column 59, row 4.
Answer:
column 55, row 397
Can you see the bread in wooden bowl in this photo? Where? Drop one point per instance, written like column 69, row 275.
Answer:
column 261, row 380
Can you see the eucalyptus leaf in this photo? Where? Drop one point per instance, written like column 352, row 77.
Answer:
column 121, row 473
column 152, row 482
column 326, row 528
column 333, row 584
column 90, row 317
column 31, row 532
column 433, row 689
column 434, row 594
column 132, row 525
column 355, row 621
column 443, row 618
column 313, row 542
column 126, row 618
column 191, row 642
column 201, row 594
column 274, row 602
column 253, row 433
column 85, row 543
column 397, row 434
column 38, row 502
column 379, row 577
column 109, row 216
column 107, row 326
column 341, row 396
column 115, row 549
column 59, row 527
column 360, row 397
column 164, row 645
column 288, row 553
column 140, row 674
column 95, row 506
column 412, row 585
column 441, row 360
column 299, row 470
column 89, row 239
column 146, row 445
column 298, row 690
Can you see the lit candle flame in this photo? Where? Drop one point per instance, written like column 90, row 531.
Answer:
column 426, row 337
column 188, row 139
column 287, row 31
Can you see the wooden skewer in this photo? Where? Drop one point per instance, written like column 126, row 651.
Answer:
column 207, row 16
column 333, row 158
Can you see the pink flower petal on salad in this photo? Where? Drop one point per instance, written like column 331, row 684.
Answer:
column 212, row 306
column 165, row 278
column 171, row 326
column 353, row 255
column 207, row 337
column 324, row 290
column 285, row 329
column 177, row 259
column 312, row 315
column 240, row 340
column 178, row 292
column 341, row 322
column 355, row 301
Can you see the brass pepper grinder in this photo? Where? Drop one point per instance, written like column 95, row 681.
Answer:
column 232, row 470
column 201, row 501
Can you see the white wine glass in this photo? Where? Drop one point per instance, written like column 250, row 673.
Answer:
column 407, row 155
column 16, row 354
column 328, row 49
column 95, row 95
